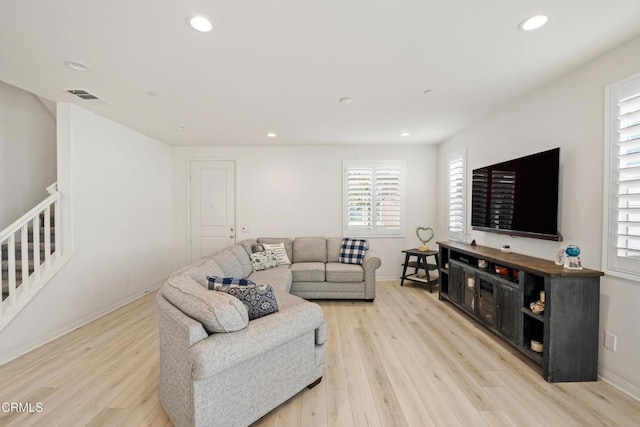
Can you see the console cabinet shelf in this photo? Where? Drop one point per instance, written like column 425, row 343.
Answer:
column 568, row 326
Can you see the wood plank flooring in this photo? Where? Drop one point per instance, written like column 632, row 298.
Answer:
column 405, row 360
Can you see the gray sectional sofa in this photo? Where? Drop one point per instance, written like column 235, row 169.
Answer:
column 217, row 368
column 317, row 274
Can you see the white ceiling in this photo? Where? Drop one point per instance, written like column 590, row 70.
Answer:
column 281, row 66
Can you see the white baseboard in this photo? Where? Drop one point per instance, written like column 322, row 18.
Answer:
column 619, row 383
column 386, row 279
column 71, row 326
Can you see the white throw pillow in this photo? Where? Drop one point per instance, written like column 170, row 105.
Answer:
column 279, row 250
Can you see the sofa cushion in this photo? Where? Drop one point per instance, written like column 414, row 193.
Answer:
column 259, row 300
column 310, row 249
column 243, row 258
column 217, row 311
column 199, row 270
column 280, row 251
column 352, row 251
column 229, row 264
column 288, row 243
column 263, row 260
column 333, row 249
column 308, row 271
column 247, row 244
column 279, row 277
column 349, row 273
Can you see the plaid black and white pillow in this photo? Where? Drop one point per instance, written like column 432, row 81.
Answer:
column 215, row 281
column 352, row 251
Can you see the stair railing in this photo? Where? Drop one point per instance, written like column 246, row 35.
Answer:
column 18, row 232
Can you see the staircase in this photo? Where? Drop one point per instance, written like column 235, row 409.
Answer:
column 31, row 262
column 29, row 256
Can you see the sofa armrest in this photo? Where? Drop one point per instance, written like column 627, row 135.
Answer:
column 370, row 264
column 221, row 351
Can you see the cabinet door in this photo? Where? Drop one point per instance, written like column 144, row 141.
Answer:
column 455, row 283
column 469, row 290
column 486, row 300
column 507, row 310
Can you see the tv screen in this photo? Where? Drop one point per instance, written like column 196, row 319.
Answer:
column 518, row 197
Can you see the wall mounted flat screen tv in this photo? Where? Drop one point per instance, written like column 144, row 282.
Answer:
column 518, row 197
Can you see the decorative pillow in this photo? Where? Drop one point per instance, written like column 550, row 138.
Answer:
column 216, row 280
column 263, row 260
column 257, row 247
column 279, row 250
column 259, row 300
column 352, row 251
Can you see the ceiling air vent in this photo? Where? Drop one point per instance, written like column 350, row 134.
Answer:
column 83, row 94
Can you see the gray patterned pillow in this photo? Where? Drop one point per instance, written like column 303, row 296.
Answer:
column 263, row 260
column 259, row 300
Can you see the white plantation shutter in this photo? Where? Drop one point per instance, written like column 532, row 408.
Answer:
column 456, row 208
column 622, row 171
column 373, row 198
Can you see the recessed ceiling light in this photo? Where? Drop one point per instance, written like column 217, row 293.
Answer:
column 405, row 134
column 533, row 23
column 77, row 66
column 346, row 100
column 152, row 93
column 201, row 24
column 181, row 127
column 428, row 91
column 271, row 135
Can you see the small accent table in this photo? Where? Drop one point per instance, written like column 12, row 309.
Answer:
column 420, row 264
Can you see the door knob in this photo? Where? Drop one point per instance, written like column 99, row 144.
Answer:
column 231, row 229
column 231, row 236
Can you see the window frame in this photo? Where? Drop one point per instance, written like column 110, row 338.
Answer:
column 453, row 235
column 612, row 264
column 374, row 231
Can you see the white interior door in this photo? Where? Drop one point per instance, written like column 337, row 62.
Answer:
column 211, row 206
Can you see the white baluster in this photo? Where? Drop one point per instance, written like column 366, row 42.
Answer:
column 56, row 232
column 36, row 247
column 12, row 268
column 24, row 241
column 47, row 237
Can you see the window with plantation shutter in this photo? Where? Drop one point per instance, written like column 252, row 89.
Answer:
column 373, row 198
column 456, row 209
column 622, row 180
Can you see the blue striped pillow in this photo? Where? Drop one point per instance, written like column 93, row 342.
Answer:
column 226, row 281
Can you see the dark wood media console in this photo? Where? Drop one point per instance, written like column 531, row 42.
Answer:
column 568, row 326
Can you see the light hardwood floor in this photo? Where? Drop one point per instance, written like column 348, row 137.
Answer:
column 405, row 360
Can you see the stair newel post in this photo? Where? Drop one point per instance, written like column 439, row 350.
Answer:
column 24, row 252
column 47, row 236
column 56, row 230
column 11, row 247
column 36, row 247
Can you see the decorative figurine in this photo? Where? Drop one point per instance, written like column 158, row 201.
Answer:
column 560, row 256
column 424, row 240
column 572, row 260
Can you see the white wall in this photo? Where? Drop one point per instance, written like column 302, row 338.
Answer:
column 566, row 113
column 27, row 152
column 118, row 183
column 294, row 191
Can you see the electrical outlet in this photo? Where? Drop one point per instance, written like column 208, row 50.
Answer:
column 610, row 341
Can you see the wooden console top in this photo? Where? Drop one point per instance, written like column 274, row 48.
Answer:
column 522, row 262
